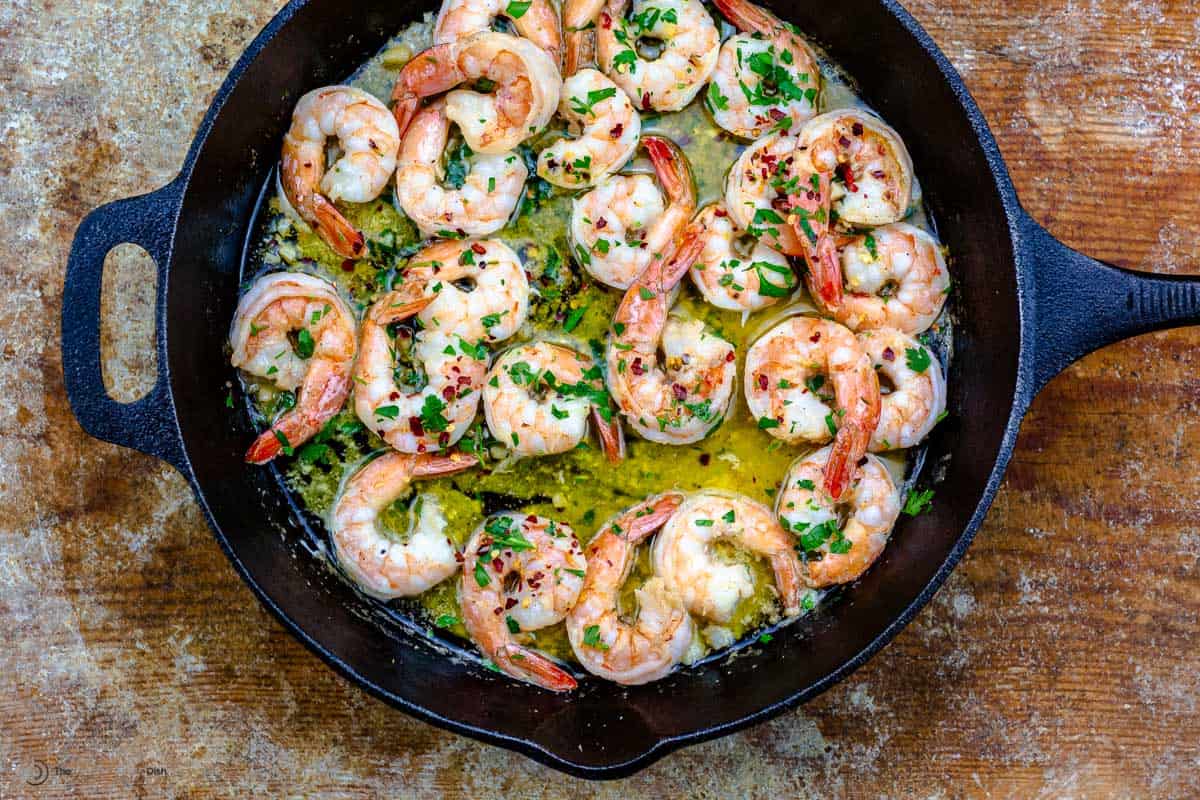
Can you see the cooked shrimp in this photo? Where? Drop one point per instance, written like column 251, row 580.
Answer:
column 525, row 79
column 712, row 588
column 622, row 225
column 766, row 77
column 604, row 130
column 851, row 165
column 275, row 307
column 839, row 538
column 690, row 44
column 368, row 138
column 893, row 277
column 537, row 399
column 447, row 350
column 650, row 647
column 486, row 197
column 789, row 372
column 757, row 192
column 479, row 290
column 381, row 564
column 681, row 400
column 747, row 281
column 521, row 573
column 536, row 20
column 415, row 418
column 912, row 388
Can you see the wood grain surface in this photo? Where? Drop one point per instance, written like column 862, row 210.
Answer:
column 1060, row 660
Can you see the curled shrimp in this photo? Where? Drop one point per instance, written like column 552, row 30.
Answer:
column 767, row 77
column 733, row 280
column 636, row 652
column 604, row 130
column 536, row 20
column 680, row 400
column 893, row 277
column 479, row 291
column 525, row 80
column 912, row 388
column 484, row 201
column 434, row 407
column 789, row 374
column 538, row 397
column 521, row 573
column 757, row 192
column 711, row 588
column 690, row 44
column 850, row 164
column 622, row 225
column 381, row 564
column 368, row 137
column 841, row 538
column 268, row 314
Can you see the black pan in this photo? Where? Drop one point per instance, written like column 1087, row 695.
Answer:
column 1027, row 305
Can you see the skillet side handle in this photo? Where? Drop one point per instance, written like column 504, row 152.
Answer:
column 147, row 424
column 1078, row 304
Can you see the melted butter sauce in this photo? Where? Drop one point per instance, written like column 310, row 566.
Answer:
column 580, row 487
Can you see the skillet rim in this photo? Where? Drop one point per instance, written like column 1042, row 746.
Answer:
column 1024, row 389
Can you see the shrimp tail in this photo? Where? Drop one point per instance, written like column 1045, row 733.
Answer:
column 825, row 273
column 314, row 408
column 430, row 72
column 850, row 444
column 335, row 229
column 396, row 306
column 747, row 16
column 789, row 581
column 430, row 465
column 647, row 517
column 672, row 168
column 612, row 435
column 529, row 665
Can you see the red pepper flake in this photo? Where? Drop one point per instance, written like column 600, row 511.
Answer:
column 636, row 367
column 762, row 381
column 646, row 102
column 461, row 233
column 464, row 380
column 497, row 565
column 509, row 603
column 443, row 438
column 394, row 396
column 459, row 557
column 617, row 130
column 843, row 141
column 606, row 20
column 775, row 113
column 498, row 611
column 729, row 356
column 601, row 223
column 878, row 174
column 719, row 212
column 448, row 393
column 348, row 265
column 781, row 203
column 478, row 248
column 856, row 129
column 888, row 355
column 816, row 337
column 414, row 424
column 847, row 176
column 679, row 392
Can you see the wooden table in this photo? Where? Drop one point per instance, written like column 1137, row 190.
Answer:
column 1060, row 660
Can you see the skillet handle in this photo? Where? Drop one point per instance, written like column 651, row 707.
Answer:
column 147, row 424
column 1078, row 304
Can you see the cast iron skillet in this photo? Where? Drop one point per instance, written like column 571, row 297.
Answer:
column 1027, row 305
